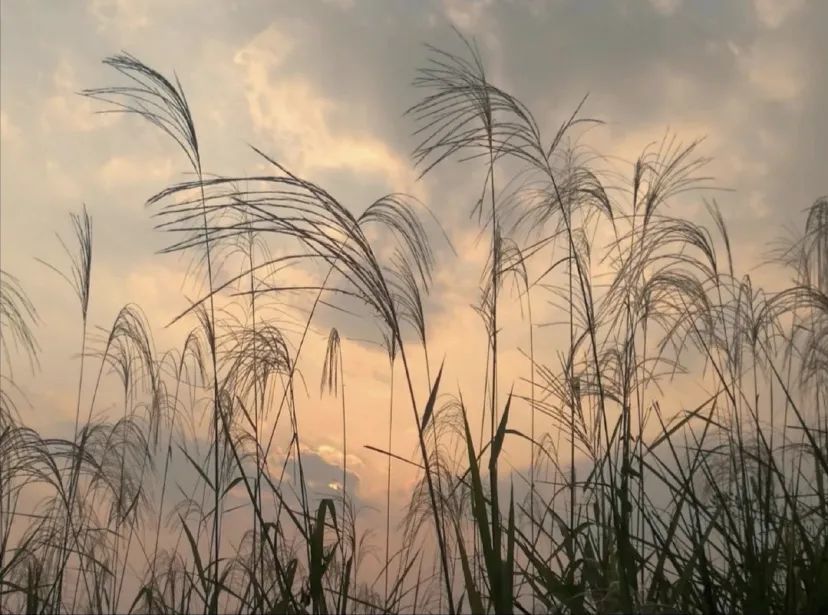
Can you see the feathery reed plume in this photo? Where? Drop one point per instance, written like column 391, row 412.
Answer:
column 630, row 501
column 156, row 99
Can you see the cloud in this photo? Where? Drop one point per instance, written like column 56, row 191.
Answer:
column 773, row 13
column 120, row 171
column 465, row 15
column 120, row 15
column 154, row 285
column 666, row 7
column 326, row 91
column 333, row 456
column 288, row 109
column 64, row 110
column 61, row 181
column 774, row 71
column 8, row 131
column 341, row 4
column 322, row 472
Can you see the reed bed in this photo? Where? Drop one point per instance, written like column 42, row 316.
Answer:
column 631, row 502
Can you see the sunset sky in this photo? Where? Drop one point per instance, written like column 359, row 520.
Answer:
column 322, row 88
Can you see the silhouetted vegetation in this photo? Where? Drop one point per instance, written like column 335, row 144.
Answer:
column 631, row 503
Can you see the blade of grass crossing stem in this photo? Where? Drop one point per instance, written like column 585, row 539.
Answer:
column 478, row 499
column 319, row 563
column 202, row 575
column 475, row 601
column 499, row 575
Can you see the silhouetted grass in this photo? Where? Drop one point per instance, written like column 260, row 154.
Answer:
column 632, row 503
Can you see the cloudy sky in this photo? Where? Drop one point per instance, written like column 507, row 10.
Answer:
column 322, row 87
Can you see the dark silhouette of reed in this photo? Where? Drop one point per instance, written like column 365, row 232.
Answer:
column 631, row 503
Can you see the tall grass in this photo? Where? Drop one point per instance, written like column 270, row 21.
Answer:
column 630, row 501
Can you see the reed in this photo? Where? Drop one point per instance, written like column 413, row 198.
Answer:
column 630, row 502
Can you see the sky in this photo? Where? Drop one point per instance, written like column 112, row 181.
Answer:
column 323, row 87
